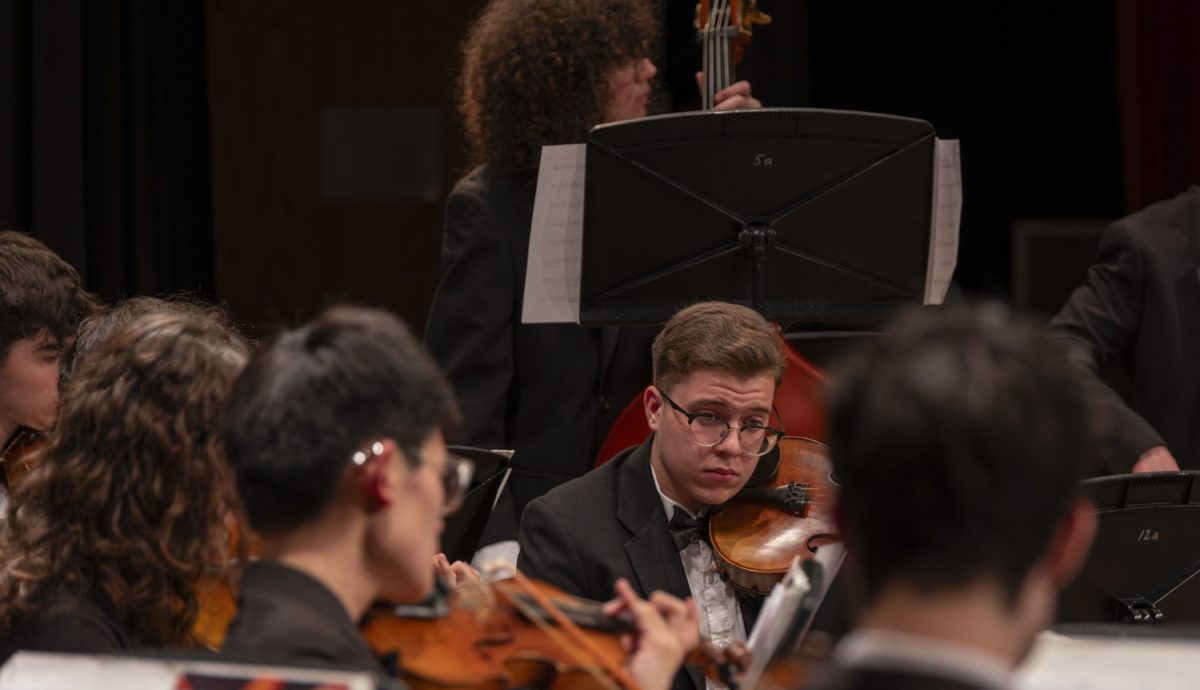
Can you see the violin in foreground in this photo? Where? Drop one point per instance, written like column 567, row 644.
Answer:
column 517, row 633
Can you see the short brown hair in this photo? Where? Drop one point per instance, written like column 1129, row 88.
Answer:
column 38, row 291
column 718, row 336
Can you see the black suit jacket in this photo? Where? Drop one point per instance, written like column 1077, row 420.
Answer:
column 863, row 678
column 66, row 623
column 608, row 524
column 1141, row 304
column 549, row 391
column 286, row 616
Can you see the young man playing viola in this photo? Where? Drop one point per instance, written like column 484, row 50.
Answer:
column 41, row 304
column 958, row 439
column 716, row 368
column 337, row 435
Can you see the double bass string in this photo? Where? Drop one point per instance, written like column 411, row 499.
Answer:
column 724, row 64
column 716, row 57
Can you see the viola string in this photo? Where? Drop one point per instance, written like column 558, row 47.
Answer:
column 572, row 631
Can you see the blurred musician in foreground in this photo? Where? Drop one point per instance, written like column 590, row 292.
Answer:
column 641, row 516
column 41, row 304
column 337, row 433
column 125, row 512
column 958, row 439
column 537, row 72
column 1140, row 305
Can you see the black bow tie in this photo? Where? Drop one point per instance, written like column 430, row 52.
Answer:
column 686, row 529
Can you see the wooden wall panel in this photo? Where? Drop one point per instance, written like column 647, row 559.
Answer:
column 281, row 252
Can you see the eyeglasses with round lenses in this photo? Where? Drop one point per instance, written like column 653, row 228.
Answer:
column 457, row 472
column 707, row 430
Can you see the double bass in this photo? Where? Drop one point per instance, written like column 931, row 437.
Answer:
column 724, row 28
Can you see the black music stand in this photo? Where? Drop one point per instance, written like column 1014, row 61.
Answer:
column 465, row 526
column 1143, row 566
column 801, row 214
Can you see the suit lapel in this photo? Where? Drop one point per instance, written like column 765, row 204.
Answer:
column 650, row 549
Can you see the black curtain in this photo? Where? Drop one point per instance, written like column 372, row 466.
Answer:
column 104, row 151
column 1158, row 70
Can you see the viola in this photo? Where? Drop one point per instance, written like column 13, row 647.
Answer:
column 215, row 592
column 725, row 28
column 515, row 633
column 756, row 534
column 18, row 455
column 217, row 607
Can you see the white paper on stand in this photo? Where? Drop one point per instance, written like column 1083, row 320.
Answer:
column 793, row 597
column 947, row 213
column 778, row 610
column 45, row 671
column 556, row 237
column 1112, row 662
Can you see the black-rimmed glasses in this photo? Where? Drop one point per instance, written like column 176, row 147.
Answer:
column 707, row 430
column 457, row 472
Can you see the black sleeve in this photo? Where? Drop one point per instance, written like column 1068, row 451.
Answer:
column 1098, row 325
column 470, row 330
column 548, row 551
column 80, row 632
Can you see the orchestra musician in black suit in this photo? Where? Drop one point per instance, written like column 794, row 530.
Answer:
column 640, row 516
column 958, row 439
column 337, row 434
column 1140, row 306
column 537, row 73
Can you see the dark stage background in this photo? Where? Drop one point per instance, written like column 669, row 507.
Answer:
column 282, row 154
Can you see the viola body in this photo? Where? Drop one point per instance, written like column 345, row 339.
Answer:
column 215, row 592
column 516, row 634
column 757, row 534
column 479, row 644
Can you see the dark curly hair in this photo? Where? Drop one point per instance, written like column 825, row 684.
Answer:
column 131, row 493
column 535, row 73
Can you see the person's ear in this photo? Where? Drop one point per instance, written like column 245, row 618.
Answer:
column 652, row 404
column 377, row 476
column 1072, row 542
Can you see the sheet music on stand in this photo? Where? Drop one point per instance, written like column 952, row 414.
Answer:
column 555, row 260
column 788, row 610
column 1113, row 662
